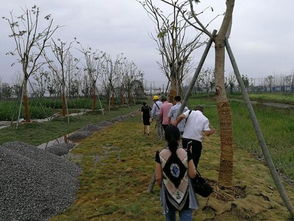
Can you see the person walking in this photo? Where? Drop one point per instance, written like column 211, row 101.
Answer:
column 174, row 167
column 196, row 124
column 173, row 114
column 155, row 111
column 145, row 110
column 164, row 110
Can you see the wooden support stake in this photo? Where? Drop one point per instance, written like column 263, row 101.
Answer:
column 193, row 81
column 259, row 134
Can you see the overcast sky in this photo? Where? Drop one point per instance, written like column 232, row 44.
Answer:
column 261, row 38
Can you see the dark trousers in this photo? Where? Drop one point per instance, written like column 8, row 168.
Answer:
column 196, row 149
column 164, row 126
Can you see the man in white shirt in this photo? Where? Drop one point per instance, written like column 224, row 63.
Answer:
column 196, row 125
column 155, row 114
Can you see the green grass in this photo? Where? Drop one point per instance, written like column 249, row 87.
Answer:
column 38, row 133
column 43, row 107
column 115, row 186
column 277, row 126
column 286, row 98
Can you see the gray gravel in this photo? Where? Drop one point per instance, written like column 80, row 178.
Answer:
column 60, row 149
column 88, row 130
column 34, row 184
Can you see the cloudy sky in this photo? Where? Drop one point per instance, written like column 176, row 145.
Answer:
column 261, row 38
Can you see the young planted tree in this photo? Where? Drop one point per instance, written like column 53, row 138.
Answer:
column 130, row 76
column 109, row 77
column 30, row 39
column 61, row 52
column 40, row 83
column 231, row 81
column 224, row 110
column 269, row 80
column 173, row 42
column 206, row 80
column 73, row 75
column 94, row 65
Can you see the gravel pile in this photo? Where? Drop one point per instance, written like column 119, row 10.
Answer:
column 60, row 149
column 88, row 130
column 34, row 184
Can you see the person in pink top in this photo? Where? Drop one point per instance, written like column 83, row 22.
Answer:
column 164, row 110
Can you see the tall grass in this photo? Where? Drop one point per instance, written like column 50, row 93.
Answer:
column 43, row 107
column 38, row 133
column 286, row 98
column 277, row 126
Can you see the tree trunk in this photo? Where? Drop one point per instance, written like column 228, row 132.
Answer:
column 225, row 118
column 173, row 88
column 122, row 99
column 93, row 99
column 112, row 99
column 27, row 116
column 64, row 112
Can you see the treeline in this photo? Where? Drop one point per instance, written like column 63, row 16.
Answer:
column 282, row 83
column 51, row 68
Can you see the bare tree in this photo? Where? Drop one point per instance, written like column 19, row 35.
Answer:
column 231, row 81
column 73, row 74
column 224, row 110
column 61, row 52
column 206, row 80
column 40, row 83
column 30, row 40
column 173, row 43
column 269, row 82
column 94, row 66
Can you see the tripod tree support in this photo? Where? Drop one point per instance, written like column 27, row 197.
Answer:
column 196, row 74
column 259, row 134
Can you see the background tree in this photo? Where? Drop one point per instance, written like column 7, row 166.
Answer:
column 174, row 45
column 61, row 53
column 93, row 66
column 231, row 81
column 269, row 80
column 40, row 83
column 206, row 80
column 30, row 40
column 6, row 91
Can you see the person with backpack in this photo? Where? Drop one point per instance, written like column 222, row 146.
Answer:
column 155, row 114
column 145, row 110
column 174, row 167
column 196, row 125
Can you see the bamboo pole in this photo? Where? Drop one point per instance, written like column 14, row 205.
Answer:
column 259, row 134
column 19, row 110
column 192, row 83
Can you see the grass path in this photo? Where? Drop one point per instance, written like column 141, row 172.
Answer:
column 117, row 164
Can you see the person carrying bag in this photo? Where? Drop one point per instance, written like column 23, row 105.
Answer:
column 174, row 168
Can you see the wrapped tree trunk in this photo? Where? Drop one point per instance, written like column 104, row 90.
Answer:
column 26, row 114
column 173, row 87
column 225, row 117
